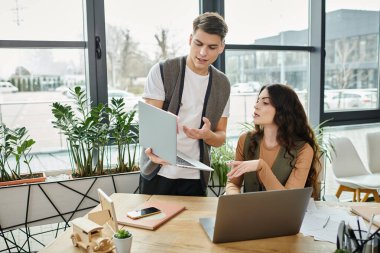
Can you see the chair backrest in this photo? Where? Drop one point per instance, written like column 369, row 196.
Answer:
column 373, row 153
column 346, row 161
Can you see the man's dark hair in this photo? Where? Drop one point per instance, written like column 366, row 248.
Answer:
column 212, row 23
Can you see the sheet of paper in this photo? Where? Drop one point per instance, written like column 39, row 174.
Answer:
column 311, row 207
column 322, row 223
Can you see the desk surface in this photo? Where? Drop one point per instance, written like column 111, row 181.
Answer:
column 183, row 233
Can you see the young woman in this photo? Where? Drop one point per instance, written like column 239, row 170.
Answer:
column 281, row 152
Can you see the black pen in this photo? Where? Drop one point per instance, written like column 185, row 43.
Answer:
column 327, row 221
column 360, row 231
column 352, row 235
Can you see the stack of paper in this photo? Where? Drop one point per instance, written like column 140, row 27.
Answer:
column 322, row 223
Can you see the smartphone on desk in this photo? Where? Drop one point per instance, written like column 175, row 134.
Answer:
column 137, row 214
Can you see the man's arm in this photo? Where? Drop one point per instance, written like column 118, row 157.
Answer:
column 217, row 138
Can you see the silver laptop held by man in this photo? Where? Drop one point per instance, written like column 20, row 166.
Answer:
column 257, row 215
column 158, row 130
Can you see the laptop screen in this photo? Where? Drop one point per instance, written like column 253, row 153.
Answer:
column 158, row 130
column 257, row 215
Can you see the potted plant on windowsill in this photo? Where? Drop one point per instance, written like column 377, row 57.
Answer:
column 15, row 146
column 86, row 131
column 123, row 241
column 90, row 133
column 123, row 134
column 219, row 158
column 326, row 150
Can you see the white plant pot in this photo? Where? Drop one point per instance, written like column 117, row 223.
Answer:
column 123, row 245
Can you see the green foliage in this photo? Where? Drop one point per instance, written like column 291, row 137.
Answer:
column 341, row 251
column 219, row 158
column 246, row 126
column 123, row 134
column 89, row 130
column 326, row 147
column 122, row 234
column 14, row 144
column 84, row 129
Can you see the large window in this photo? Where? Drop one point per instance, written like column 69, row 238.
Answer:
column 41, row 20
column 352, row 58
column 38, row 78
column 43, row 55
column 47, row 47
column 248, row 70
column 139, row 36
column 276, row 52
column 267, row 22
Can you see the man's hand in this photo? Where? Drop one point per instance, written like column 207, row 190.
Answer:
column 203, row 133
column 155, row 158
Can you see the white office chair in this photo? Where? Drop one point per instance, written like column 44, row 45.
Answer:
column 350, row 172
column 373, row 153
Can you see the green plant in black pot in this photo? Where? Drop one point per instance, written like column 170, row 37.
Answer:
column 219, row 158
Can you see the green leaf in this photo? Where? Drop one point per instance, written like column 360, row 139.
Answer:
column 122, row 234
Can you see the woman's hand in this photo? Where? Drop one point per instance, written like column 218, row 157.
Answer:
column 155, row 158
column 238, row 168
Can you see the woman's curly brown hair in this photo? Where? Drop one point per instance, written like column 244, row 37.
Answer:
column 293, row 127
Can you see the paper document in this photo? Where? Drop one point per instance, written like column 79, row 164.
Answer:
column 322, row 223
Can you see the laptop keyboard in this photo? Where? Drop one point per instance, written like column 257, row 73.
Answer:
column 183, row 162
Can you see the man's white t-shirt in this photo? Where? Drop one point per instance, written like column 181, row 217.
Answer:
column 190, row 114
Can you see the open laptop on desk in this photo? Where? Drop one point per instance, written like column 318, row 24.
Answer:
column 158, row 130
column 257, row 215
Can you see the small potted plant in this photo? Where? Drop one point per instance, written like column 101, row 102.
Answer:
column 123, row 241
column 219, row 158
column 15, row 147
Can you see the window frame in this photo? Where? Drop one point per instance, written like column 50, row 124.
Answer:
column 96, row 68
column 314, row 49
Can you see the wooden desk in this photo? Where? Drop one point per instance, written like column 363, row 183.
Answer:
column 183, row 233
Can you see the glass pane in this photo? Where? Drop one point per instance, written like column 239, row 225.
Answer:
column 249, row 70
column 41, row 20
column 38, row 78
column 264, row 22
column 351, row 69
column 140, row 33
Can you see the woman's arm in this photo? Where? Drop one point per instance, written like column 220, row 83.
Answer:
column 234, row 184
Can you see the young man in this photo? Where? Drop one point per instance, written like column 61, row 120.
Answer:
column 198, row 93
